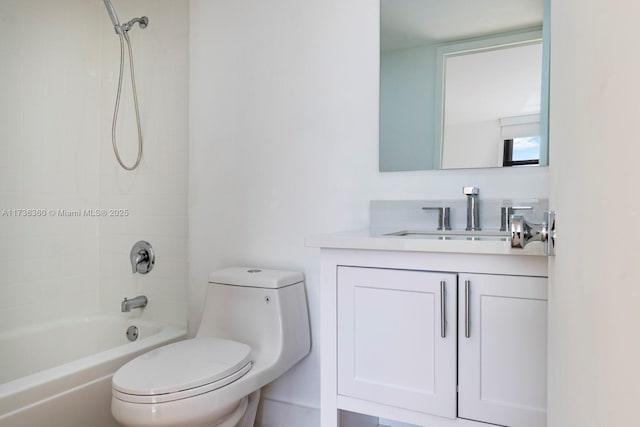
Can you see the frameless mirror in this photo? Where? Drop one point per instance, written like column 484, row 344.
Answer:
column 463, row 84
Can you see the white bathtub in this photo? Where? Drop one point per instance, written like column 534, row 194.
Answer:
column 59, row 374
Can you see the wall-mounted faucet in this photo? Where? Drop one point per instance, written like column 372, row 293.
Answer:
column 142, row 257
column 473, row 209
column 137, row 302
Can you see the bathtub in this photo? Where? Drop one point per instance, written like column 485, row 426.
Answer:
column 59, row 374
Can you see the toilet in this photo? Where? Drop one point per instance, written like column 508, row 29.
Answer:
column 255, row 327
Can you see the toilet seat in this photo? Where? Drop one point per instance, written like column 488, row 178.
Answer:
column 180, row 370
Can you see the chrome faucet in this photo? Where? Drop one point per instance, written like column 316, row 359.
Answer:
column 473, row 209
column 137, row 302
column 444, row 216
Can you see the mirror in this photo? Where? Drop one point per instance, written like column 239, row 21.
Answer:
column 463, row 84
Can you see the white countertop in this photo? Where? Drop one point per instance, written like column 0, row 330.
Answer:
column 375, row 239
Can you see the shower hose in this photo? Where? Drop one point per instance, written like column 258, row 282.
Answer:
column 125, row 37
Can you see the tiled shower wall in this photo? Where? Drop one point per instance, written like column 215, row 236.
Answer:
column 156, row 194
column 58, row 74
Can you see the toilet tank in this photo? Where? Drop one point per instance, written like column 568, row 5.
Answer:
column 265, row 309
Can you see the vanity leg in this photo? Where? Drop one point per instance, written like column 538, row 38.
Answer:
column 329, row 416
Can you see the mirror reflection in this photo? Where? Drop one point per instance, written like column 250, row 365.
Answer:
column 462, row 84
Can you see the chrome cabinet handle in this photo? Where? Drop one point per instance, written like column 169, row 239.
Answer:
column 467, row 291
column 443, row 316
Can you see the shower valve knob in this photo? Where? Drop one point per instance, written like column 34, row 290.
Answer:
column 142, row 257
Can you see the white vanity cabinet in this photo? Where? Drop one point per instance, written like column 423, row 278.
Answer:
column 502, row 350
column 396, row 344
column 433, row 339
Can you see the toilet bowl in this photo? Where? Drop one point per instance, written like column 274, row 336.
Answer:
column 255, row 326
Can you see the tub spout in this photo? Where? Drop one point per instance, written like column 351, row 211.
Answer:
column 137, row 302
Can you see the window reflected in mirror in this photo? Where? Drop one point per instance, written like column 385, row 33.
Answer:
column 521, row 151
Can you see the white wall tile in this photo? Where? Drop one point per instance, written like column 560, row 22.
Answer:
column 154, row 194
column 55, row 153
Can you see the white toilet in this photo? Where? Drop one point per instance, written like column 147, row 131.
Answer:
column 255, row 326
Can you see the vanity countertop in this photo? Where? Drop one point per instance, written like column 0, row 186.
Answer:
column 378, row 239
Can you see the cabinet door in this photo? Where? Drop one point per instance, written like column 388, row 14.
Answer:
column 502, row 349
column 393, row 347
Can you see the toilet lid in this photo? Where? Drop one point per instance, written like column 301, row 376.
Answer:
column 181, row 366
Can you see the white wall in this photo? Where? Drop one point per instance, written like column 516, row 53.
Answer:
column 284, row 144
column 594, row 292
column 58, row 65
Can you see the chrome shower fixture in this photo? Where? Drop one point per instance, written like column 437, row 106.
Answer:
column 112, row 13
column 123, row 28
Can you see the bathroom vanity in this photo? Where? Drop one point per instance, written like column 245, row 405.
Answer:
column 432, row 330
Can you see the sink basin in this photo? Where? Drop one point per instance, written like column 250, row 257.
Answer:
column 455, row 234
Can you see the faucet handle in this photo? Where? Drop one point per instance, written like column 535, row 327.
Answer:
column 506, row 212
column 444, row 216
column 142, row 257
column 470, row 191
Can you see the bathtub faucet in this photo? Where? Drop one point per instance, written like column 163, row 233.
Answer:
column 137, row 302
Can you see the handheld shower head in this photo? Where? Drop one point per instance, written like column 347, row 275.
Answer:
column 112, row 13
column 122, row 31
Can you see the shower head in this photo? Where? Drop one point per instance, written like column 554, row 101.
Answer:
column 112, row 13
column 123, row 29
